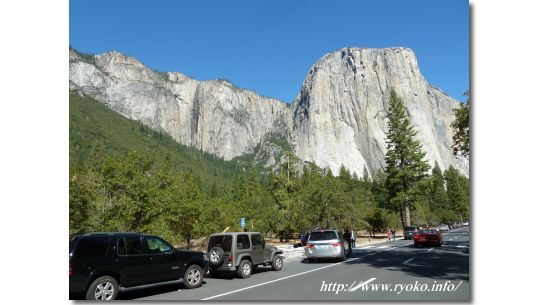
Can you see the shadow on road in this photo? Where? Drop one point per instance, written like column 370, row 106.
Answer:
column 146, row 292
column 448, row 262
column 136, row 293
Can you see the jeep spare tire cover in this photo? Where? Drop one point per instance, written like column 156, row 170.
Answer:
column 216, row 256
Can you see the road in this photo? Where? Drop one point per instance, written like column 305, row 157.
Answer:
column 399, row 264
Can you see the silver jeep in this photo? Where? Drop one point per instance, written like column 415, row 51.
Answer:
column 241, row 252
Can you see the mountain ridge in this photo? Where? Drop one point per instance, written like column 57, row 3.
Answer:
column 221, row 118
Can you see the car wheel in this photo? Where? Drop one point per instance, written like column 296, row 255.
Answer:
column 245, row 269
column 193, row 276
column 103, row 289
column 277, row 263
column 216, row 256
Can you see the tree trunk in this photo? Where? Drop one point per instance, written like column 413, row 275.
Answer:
column 407, row 214
column 402, row 218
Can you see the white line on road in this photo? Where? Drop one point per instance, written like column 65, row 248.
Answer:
column 366, row 247
column 430, row 249
column 383, row 247
column 407, row 261
column 283, row 278
column 293, row 275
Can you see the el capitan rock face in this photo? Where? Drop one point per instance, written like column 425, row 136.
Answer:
column 338, row 118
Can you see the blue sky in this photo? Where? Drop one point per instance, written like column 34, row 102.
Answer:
column 269, row 46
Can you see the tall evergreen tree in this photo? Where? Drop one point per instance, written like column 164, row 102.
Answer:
column 438, row 196
column 457, row 187
column 365, row 176
column 461, row 129
column 404, row 159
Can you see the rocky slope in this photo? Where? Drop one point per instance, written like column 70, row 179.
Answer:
column 338, row 118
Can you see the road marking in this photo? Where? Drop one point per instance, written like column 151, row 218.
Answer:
column 407, row 261
column 462, row 246
column 430, row 249
column 293, row 275
column 450, row 239
column 366, row 247
column 383, row 247
column 283, row 278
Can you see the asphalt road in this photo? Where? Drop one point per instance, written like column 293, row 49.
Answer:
column 412, row 274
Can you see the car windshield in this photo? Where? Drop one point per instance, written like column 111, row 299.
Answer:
column 410, row 228
column 322, row 235
column 223, row 241
column 427, row 232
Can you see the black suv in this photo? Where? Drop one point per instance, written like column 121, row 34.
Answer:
column 101, row 262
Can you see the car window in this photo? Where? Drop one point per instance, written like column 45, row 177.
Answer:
column 155, row 245
column 340, row 235
column 322, row 235
column 427, row 232
column 256, row 239
column 91, row 247
column 223, row 241
column 243, row 242
column 409, row 228
column 121, row 247
column 132, row 245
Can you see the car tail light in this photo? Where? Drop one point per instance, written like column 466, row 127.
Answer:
column 70, row 269
column 338, row 244
column 310, row 246
column 229, row 258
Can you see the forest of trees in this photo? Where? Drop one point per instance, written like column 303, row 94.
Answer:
column 143, row 192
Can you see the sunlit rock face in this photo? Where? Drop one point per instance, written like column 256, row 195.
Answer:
column 338, row 117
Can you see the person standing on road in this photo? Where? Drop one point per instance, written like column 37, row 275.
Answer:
column 393, row 233
column 347, row 237
column 353, row 239
column 389, row 237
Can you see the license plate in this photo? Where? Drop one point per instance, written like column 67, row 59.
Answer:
column 322, row 246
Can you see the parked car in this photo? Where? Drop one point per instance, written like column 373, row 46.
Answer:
column 409, row 232
column 99, row 263
column 241, row 252
column 443, row 228
column 466, row 223
column 428, row 237
column 326, row 244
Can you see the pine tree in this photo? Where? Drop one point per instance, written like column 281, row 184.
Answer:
column 461, row 129
column 365, row 175
column 438, row 196
column 457, row 187
column 404, row 159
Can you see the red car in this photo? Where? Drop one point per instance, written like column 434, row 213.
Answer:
column 428, row 237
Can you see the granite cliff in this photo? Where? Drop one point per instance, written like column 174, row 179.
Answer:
column 338, row 117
